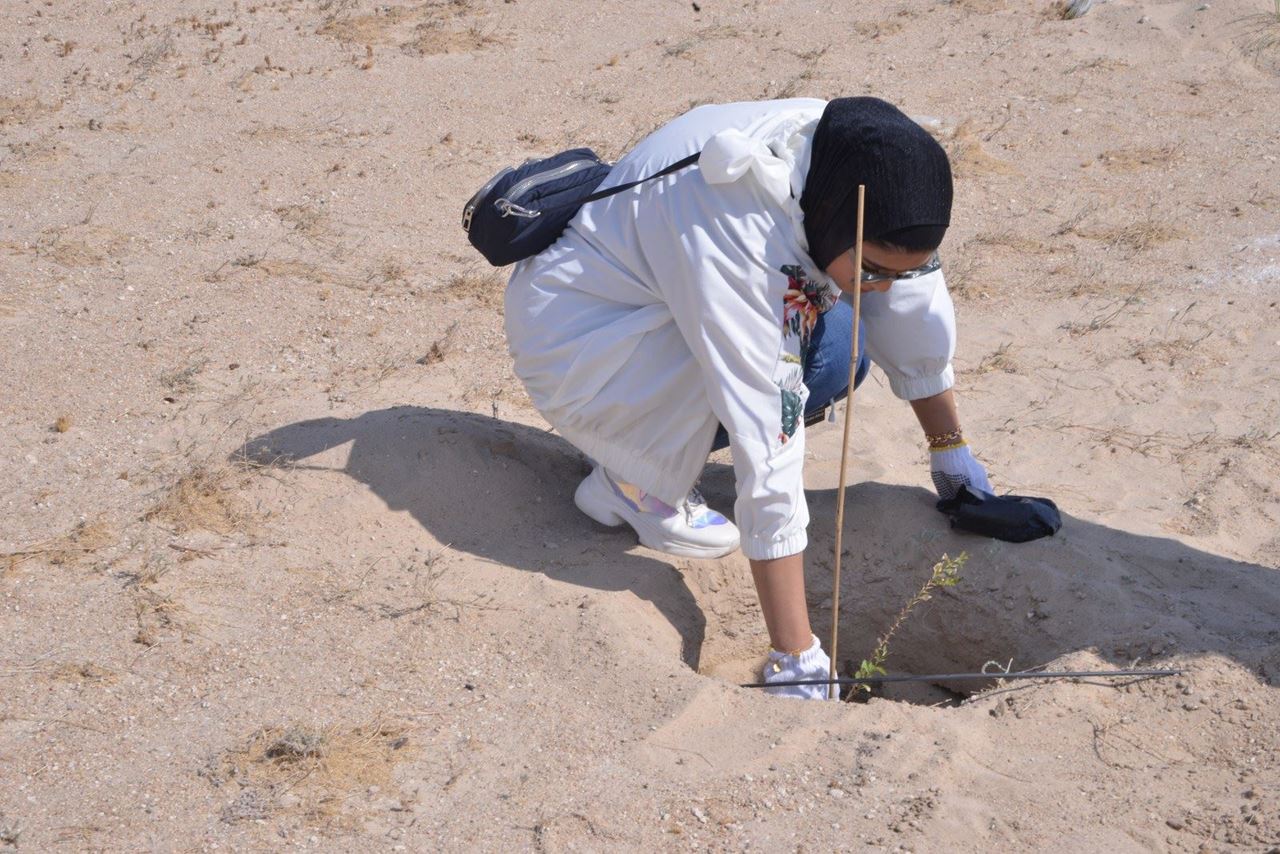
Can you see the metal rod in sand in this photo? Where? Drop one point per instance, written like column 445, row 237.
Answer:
column 965, row 677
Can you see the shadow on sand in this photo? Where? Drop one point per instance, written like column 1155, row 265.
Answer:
column 492, row 488
column 1125, row 596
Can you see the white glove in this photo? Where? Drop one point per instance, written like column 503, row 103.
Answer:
column 954, row 468
column 809, row 664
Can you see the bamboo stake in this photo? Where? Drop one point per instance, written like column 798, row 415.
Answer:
column 833, row 690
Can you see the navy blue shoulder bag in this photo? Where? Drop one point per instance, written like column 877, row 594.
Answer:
column 524, row 209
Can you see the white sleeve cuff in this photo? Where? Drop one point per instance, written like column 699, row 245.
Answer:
column 914, row 388
column 790, row 544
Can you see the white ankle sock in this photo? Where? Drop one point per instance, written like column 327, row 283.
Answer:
column 812, row 663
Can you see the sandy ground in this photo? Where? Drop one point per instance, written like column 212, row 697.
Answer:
column 289, row 561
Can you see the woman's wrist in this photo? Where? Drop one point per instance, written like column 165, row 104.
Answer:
column 946, row 441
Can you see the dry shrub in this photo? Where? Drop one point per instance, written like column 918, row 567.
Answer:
column 478, row 285
column 323, row 768
column 204, row 499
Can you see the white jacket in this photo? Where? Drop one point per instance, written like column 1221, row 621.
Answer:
column 685, row 303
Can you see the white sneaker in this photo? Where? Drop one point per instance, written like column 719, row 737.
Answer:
column 691, row 530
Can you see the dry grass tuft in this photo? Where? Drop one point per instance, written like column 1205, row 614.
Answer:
column 981, row 7
column 872, row 30
column 961, row 271
column 1106, row 318
column 84, row 671
column 1135, row 159
column 182, row 380
column 307, row 219
column 154, row 613
column 970, row 158
column 1068, row 10
column 686, row 46
column 206, row 499
column 433, row 37
column 479, row 285
column 362, row 29
column 1018, row 243
column 422, row 30
column 1001, row 359
column 10, row 834
column 441, row 347
column 323, row 769
column 1259, row 39
column 296, row 743
column 1170, row 351
column 62, row 424
column 84, row 539
column 1135, row 237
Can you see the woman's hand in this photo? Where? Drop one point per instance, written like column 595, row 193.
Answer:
column 951, row 462
column 955, row 467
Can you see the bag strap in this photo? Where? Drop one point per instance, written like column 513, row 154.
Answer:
column 674, row 167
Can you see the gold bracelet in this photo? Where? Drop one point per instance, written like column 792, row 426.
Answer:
column 959, row 444
column 784, row 652
column 937, row 439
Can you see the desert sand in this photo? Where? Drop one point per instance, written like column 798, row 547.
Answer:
column 289, row 561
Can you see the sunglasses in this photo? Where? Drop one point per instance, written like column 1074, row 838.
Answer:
column 931, row 266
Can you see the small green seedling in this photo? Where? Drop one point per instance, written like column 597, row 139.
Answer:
column 946, row 573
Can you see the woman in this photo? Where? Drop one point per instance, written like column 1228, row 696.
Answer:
column 705, row 305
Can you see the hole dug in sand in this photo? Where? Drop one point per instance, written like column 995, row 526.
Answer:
column 1090, row 595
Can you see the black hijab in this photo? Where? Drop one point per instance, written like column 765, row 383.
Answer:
column 906, row 172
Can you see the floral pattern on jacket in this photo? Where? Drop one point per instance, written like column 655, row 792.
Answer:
column 803, row 301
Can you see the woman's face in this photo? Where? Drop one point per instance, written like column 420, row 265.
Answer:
column 875, row 259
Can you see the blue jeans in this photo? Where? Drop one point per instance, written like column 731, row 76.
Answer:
column 826, row 367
